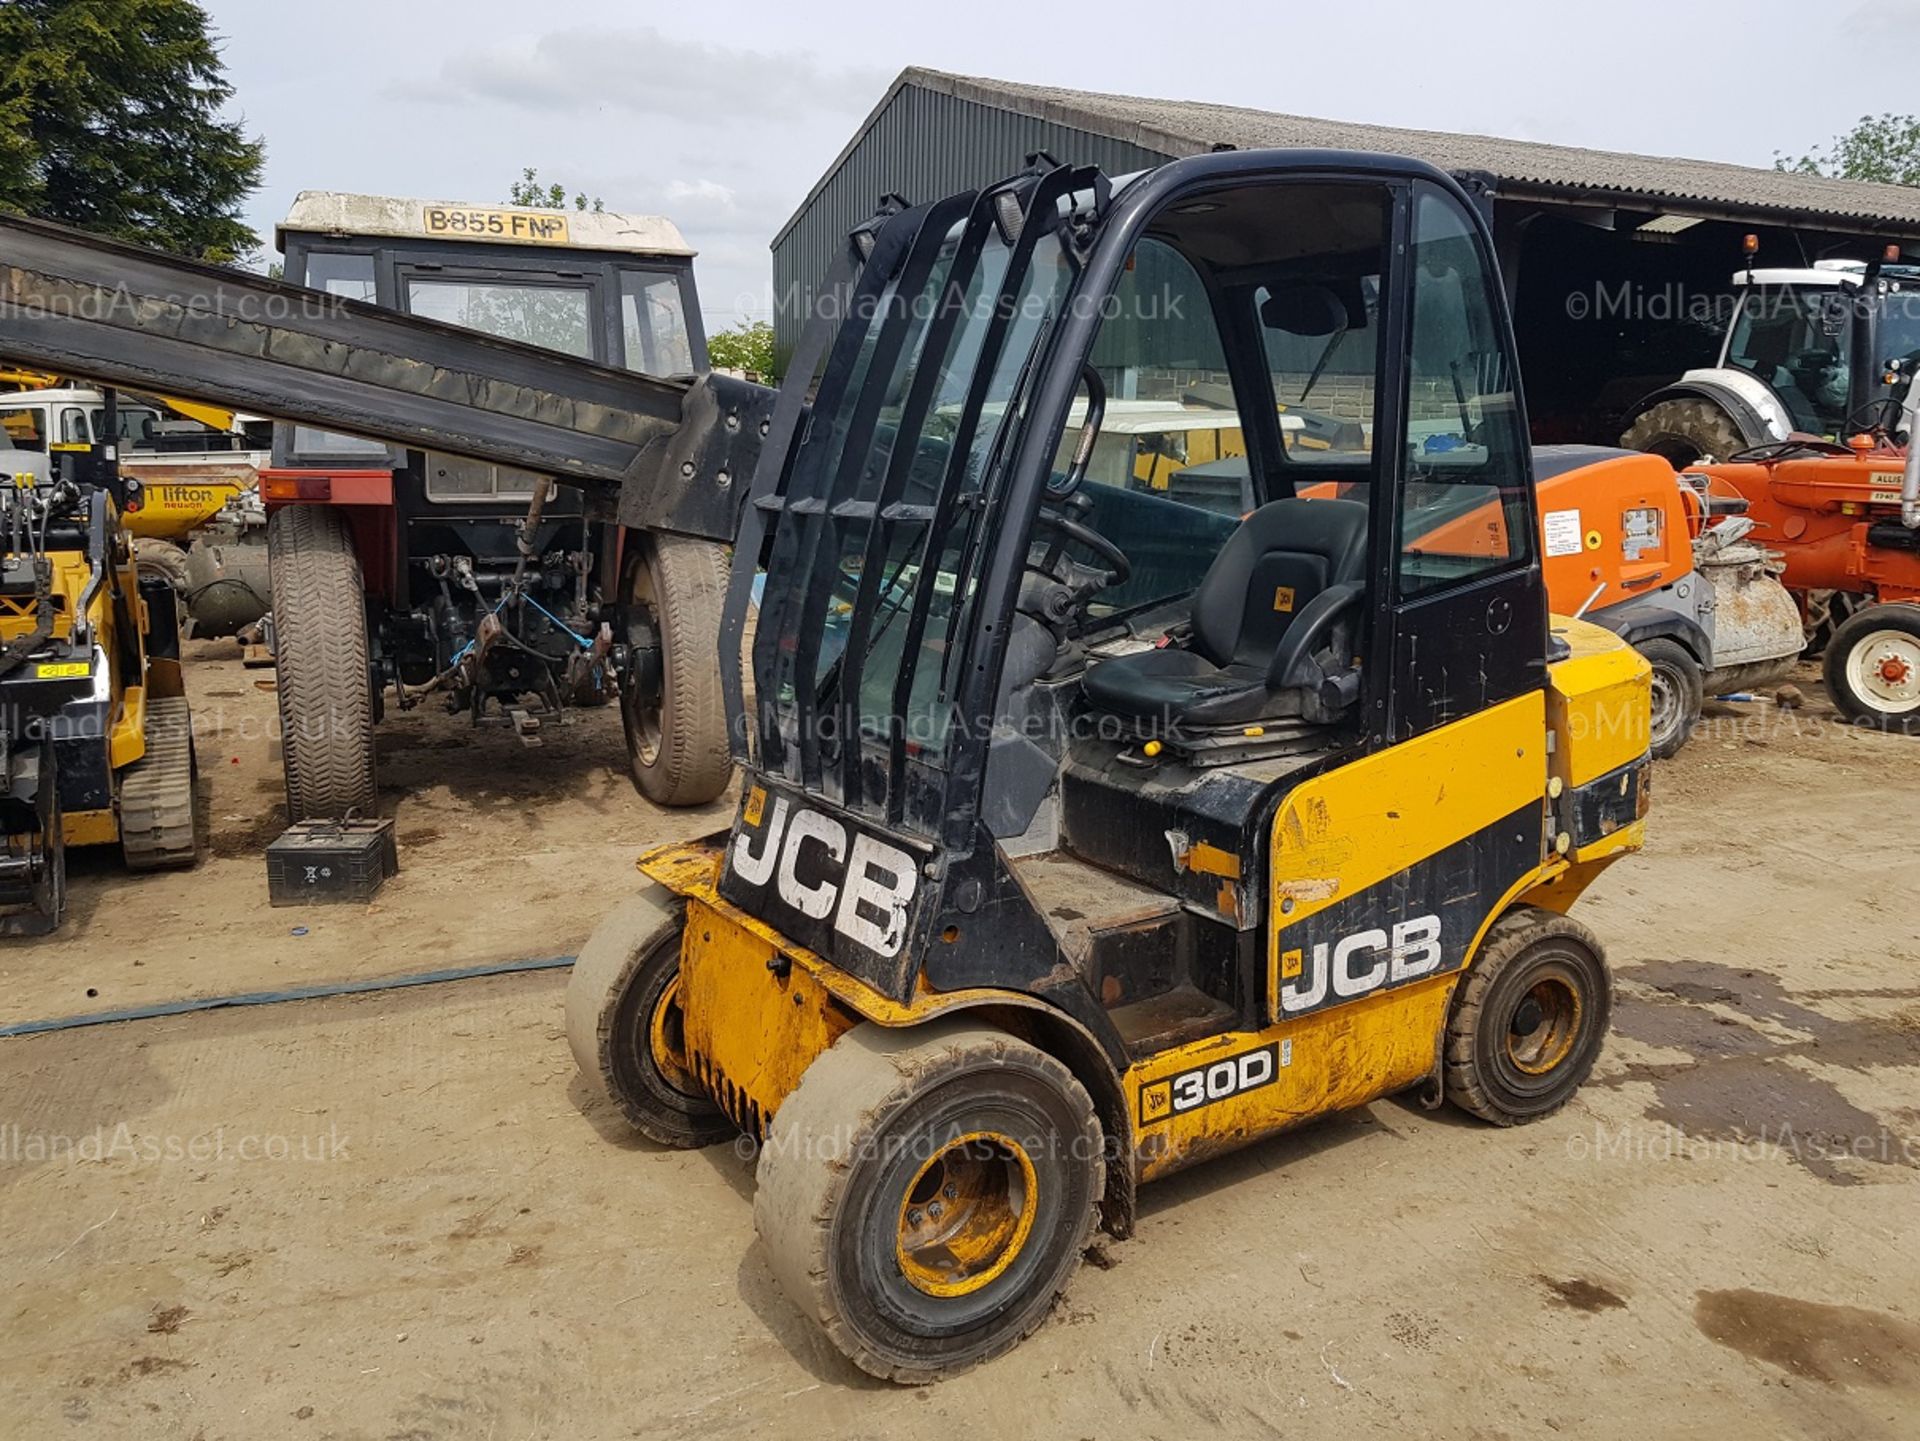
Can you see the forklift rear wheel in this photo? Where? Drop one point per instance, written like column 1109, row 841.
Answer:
column 1678, row 688
column 321, row 654
column 926, row 1193
column 626, row 1028
column 1872, row 667
column 1528, row 1021
column 674, row 710
column 1685, row 432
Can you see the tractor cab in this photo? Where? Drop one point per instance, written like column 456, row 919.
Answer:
column 485, row 587
column 1821, row 339
column 1824, row 351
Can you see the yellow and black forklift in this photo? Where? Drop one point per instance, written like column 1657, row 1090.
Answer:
column 96, row 743
column 1087, row 834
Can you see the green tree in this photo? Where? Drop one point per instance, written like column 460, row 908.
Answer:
column 747, row 346
column 528, row 191
column 110, row 120
column 1885, row 148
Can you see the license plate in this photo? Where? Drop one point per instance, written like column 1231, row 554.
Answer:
column 62, row 670
column 470, row 223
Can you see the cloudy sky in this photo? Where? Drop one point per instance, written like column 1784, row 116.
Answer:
column 723, row 116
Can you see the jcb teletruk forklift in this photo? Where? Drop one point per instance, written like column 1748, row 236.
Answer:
column 96, row 744
column 1087, row 834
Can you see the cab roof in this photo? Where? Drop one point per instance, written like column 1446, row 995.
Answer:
column 334, row 212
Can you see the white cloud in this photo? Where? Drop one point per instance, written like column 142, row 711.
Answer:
column 643, row 72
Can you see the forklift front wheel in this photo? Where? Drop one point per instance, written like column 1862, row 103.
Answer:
column 1678, row 688
column 625, row 1026
column 926, row 1193
column 1528, row 1022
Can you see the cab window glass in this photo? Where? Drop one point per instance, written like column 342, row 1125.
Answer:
column 1322, row 340
column 653, row 323
column 1465, row 511
column 350, row 277
column 26, row 427
column 73, row 426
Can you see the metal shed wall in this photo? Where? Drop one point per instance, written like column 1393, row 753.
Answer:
column 921, row 145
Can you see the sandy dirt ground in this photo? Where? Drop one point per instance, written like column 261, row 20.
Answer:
column 404, row 1215
column 506, row 853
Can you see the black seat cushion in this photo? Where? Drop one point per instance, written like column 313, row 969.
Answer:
column 1270, row 569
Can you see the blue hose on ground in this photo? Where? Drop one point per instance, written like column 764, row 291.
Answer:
column 274, row 998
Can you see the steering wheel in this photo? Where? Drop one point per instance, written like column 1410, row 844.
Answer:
column 1069, row 531
column 1876, row 417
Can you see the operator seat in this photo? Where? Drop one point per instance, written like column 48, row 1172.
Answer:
column 1284, row 557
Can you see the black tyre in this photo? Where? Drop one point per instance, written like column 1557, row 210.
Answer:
column 1685, row 432
column 166, row 560
column 925, row 1194
column 320, row 650
column 1872, row 667
column 625, row 1026
column 1528, row 1022
column 676, row 717
column 1678, row 688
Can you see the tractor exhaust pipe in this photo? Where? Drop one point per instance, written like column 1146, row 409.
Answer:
column 1910, row 478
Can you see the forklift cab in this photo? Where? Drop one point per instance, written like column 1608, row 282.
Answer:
column 1088, row 832
column 1015, row 673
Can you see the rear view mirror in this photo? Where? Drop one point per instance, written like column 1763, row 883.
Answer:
column 1306, row 309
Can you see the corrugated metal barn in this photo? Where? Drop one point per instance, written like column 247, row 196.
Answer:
column 1618, row 265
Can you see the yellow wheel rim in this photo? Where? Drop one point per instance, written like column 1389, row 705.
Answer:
column 667, row 1039
column 1545, row 1026
column 967, row 1214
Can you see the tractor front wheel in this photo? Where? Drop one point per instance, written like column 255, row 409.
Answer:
column 1872, row 667
column 925, row 1194
column 320, row 651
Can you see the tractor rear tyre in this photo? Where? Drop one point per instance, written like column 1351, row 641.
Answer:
column 1679, row 686
column 320, row 650
column 925, row 1194
column 625, row 1026
column 1685, row 432
column 1528, row 1022
column 164, row 823
column 1872, row 667
column 672, row 705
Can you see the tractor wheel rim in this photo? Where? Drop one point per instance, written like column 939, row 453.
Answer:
column 967, row 1214
column 1885, row 667
column 667, row 1041
column 1551, row 1013
column 643, row 721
